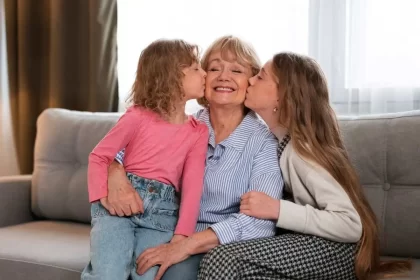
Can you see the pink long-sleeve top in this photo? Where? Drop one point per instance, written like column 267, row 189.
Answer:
column 173, row 154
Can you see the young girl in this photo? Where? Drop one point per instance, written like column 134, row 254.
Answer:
column 164, row 154
column 329, row 229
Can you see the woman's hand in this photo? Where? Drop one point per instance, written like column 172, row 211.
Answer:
column 107, row 206
column 164, row 255
column 122, row 200
column 260, row 205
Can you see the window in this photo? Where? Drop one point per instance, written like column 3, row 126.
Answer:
column 368, row 49
column 272, row 27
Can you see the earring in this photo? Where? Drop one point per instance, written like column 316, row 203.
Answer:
column 275, row 109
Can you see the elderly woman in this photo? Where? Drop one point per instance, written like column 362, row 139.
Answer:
column 330, row 230
column 241, row 159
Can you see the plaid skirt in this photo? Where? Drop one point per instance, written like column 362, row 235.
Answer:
column 283, row 257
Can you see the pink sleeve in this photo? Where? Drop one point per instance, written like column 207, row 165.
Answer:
column 192, row 185
column 104, row 153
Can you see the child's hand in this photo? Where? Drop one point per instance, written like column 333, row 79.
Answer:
column 177, row 237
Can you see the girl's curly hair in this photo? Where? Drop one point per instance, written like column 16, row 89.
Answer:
column 158, row 83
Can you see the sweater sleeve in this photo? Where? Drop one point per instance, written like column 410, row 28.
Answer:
column 104, row 153
column 336, row 219
column 192, row 184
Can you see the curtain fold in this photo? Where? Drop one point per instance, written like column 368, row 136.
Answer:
column 368, row 52
column 8, row 160
column 60, row 54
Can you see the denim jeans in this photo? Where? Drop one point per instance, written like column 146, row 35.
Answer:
column 116, row 242
column 185, row 270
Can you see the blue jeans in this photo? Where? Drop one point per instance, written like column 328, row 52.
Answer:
column 186, row 270
column 116, row 242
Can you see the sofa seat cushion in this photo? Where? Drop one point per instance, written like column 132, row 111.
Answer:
column 60, row 250
column 57, row 245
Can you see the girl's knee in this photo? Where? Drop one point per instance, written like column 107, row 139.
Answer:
column 105, row 271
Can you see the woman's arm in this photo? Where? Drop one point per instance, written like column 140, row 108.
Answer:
column 201, row 242
column 172, row 253
column 265, row 178
column 335, row 217
column 240, row 226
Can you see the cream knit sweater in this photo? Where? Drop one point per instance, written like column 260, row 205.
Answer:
column 321, row 207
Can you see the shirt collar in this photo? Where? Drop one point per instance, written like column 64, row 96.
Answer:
column 279, row 132
column 239, row 137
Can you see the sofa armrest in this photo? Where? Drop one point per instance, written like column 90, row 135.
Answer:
column 15, row 200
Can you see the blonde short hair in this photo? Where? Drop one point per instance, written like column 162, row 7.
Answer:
column 244, row 52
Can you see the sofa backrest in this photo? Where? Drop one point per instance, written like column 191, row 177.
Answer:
column 385, row 151
column 63, row 142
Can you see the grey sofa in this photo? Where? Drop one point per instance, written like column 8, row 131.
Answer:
column 44, row 217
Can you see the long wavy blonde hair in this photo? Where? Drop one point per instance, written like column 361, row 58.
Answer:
column 313, row 127
column 158, row 83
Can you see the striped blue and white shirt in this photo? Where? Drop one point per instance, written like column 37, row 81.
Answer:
column 245, row 161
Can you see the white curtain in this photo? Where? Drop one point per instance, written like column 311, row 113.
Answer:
column 369, row 49
column 370, row 52
column 8, row 159
column 269, row 25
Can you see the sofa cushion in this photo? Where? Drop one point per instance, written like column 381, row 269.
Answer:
column 63, row 142
column 13, row 270
column 385, row 150
column 59, row 248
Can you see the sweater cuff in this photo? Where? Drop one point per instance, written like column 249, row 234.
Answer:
column 181, row 230
column 97, row 195
column 292, row 216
